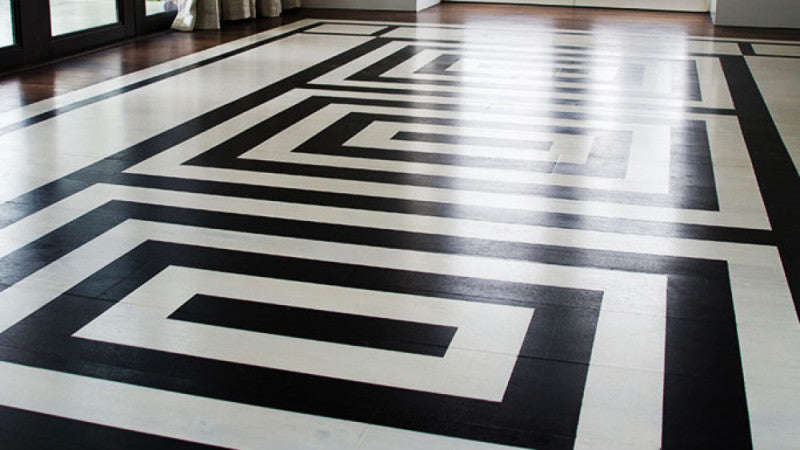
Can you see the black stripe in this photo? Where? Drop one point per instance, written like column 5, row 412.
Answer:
column 438, row 209
column 20, row 429
column 417, row 91
column 34, row 256
column 767, row 55
column 774, row 168
column 376, row 73
column 777, row 44
column 702, row 351
column 351, row 329
column 747, row 49
column 385, row 30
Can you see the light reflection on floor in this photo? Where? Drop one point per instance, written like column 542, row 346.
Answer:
column 573, row 244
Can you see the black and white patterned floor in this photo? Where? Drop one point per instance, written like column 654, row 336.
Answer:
column 344, row 234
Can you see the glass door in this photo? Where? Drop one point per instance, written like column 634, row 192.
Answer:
column 36, row 30
column 155, row 15
column 10, row 50
column 76, row 25
column 70, row 16
column 153, row 7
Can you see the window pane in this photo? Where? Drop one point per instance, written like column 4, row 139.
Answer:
column 160, row 6
column 67, row 16
column 6, row 25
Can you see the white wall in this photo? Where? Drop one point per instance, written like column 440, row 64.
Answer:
column 758, row 13
column 391, row 5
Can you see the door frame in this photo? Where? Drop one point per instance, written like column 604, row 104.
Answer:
column 148, row 24
column 13, row 55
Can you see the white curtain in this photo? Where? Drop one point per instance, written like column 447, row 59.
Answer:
column 207, row 14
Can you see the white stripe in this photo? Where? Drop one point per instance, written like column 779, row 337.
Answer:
column 191, row 418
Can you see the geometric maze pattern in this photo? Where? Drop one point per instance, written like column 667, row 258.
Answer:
column 428, row 239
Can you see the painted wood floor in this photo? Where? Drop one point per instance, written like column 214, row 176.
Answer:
column 382, row 235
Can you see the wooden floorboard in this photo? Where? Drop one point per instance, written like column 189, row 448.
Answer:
column 24, row 87
column 379, row 235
